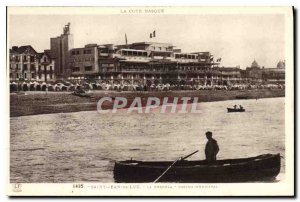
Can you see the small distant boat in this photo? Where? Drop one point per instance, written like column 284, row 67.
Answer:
column 260, row 168
column 235, row 110
column 80, row 93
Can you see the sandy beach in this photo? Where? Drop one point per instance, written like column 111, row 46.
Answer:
column 21, row 104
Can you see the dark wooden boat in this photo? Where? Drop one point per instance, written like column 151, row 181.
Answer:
column 81, row 94
column 235, row 110
column 260, row 168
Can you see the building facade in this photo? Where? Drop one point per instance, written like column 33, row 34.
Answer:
column 143, row 63
column 256, row 74
column 28, row 65
column 274, row 75
column 229, row 76
column 59, row 50
column 46, row 68
column 84, row 61
column 23, row 63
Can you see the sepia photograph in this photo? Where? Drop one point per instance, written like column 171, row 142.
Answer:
column 150, row 101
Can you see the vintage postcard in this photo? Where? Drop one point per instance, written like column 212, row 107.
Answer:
column 150, row 101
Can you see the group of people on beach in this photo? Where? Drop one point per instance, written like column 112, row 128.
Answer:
column 235, row 107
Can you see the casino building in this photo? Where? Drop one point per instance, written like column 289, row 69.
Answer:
column 142, row 63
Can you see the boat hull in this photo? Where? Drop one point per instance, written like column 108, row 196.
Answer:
column 235, row 110
column 260, row 168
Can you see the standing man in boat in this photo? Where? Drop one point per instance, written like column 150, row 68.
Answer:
column 211, row 148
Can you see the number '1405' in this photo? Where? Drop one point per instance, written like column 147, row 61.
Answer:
column 77, row 185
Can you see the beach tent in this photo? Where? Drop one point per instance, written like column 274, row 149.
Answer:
column 125, row 88
column 13, row 87
column 90, row 86
column 24, row 86
column 72, row 87
column 64, row 88
column 38, row 87
column 99, row 86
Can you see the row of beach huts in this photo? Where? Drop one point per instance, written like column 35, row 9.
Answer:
column 67, row 86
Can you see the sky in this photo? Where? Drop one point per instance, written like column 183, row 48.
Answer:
column 237, row 39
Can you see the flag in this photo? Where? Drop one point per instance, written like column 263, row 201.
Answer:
column 150, row 35
column 154, row 33
column 126, row 38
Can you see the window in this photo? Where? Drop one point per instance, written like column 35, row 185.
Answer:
column 45, row 59
column 25, row 76
column 40, row 75
column 76, row 69
column 31, row 58
column 25, row 58
column 25, row 66
column 51, row 76
column 89, row 51
column 88, row 68
column 17, row 75
column 50, row 68
column 77, row 52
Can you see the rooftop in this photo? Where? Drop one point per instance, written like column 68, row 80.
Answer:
column 22, row 49
column 149, row 43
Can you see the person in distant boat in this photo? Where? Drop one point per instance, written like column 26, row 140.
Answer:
column 241, row 107
column 234, row 106
column 211, row 148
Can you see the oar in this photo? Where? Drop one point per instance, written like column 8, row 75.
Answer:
column 173, row 164
column 189, row 155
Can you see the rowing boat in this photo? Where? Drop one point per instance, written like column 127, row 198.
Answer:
column 260, row 168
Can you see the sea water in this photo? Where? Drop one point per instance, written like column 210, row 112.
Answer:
column 83, row 146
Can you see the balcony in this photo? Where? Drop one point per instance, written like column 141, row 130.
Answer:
column 104, row 54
